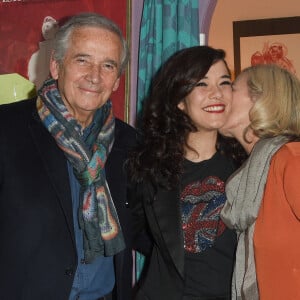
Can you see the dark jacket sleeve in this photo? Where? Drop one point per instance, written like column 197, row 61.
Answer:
column 142, row 241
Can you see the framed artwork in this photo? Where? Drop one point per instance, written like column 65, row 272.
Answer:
column 267, row 41
column 27, row 28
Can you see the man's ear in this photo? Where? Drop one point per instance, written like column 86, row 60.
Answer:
column 116, row 85
column 54, row 67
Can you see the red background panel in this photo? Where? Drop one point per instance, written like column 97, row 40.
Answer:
column 20, row 31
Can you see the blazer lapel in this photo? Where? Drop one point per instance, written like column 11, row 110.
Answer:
column 166, row 207
column 55, row 166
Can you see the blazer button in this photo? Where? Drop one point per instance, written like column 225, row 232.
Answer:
column 69, row 272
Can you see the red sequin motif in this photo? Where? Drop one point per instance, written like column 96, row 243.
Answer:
column 202, row 203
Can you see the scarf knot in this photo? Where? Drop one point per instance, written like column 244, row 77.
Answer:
column 94, row 171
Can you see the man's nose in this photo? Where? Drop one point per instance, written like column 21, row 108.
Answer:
column 94, row 74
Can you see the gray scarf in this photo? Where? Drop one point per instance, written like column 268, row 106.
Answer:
column 244, row 191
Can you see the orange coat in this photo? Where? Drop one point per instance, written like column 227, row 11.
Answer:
column 277, row 229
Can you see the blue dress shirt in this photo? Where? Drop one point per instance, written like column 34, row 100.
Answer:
column 94, row 280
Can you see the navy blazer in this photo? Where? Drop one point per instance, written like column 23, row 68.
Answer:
column 38, row 254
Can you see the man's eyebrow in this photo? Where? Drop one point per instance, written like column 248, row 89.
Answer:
column 111, row 61
column 107, row 60
column 81, row 55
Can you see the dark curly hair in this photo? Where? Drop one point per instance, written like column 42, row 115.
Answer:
column 165, row 128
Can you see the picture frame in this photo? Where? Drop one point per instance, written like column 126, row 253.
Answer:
column 253, row 39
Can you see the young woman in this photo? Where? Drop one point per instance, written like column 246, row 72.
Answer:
column 263, row 196
column 180, row 169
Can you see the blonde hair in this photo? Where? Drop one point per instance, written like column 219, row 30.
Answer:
column 276, row 96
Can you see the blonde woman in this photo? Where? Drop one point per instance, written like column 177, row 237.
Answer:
column 263, row 196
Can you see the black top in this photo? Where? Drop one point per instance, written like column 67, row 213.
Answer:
column 209, row 245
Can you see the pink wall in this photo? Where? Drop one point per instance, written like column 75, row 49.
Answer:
column 227, row 11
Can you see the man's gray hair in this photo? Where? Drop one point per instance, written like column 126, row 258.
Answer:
column 61, row 41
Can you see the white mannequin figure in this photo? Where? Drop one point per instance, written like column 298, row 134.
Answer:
column 38, row 66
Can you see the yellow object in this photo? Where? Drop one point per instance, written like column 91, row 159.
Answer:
column 14, row 87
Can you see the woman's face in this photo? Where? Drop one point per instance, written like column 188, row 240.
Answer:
column 208, row 103
column 241, row 104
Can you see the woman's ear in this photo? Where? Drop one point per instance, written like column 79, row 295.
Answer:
column 181, row 105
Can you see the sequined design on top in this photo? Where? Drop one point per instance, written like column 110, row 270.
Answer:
column 201, row 204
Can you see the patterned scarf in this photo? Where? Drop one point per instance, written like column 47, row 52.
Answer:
column 98, row 218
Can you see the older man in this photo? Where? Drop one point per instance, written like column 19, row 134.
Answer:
column 64, row 224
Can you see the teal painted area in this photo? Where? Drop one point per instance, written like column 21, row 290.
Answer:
column 166, row 27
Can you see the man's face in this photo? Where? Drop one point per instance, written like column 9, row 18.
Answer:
column 89, row 72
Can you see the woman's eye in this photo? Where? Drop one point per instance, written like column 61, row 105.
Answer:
column 227, row 82
column 201, row 84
